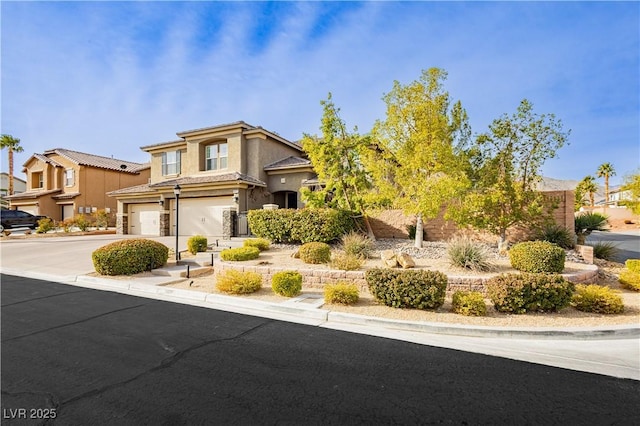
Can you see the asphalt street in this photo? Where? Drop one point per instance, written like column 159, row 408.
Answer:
column 80, row 356
column 626, row 242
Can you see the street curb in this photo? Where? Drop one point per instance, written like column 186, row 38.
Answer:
column 320, row 316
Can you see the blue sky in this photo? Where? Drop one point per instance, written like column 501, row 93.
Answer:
column 109, row 77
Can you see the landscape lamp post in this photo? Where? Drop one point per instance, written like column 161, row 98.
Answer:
column 176, row 190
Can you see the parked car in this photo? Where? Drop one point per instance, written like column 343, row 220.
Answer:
column 18, row 219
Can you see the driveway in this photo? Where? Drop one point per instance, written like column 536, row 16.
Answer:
column 627, row 241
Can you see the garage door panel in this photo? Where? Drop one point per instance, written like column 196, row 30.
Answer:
column 202, row 216
column 144, row 219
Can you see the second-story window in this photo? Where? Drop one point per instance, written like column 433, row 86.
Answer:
column 170, row 163
column 37, row 180
column 68, row 177
column 216, row 156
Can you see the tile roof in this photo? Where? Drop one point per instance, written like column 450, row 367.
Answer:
column 46, row 159
column 138, row 189
column 194, row 180
column 92, row 160
column 31, row 194
column 289, row 162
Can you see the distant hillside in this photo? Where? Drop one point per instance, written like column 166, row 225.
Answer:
column 551, row 184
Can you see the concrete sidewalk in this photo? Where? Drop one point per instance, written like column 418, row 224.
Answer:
column 611, row 350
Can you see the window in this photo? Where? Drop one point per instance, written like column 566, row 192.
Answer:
column 216, row 157
column 37, row 180
column 170, row 163
column 68, row 177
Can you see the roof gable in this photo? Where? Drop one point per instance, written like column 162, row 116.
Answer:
column 92, row 160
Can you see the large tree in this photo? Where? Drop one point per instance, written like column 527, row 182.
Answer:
column 508, row 162
column 413, row 155
column 12, row 145
column 588, row 186
column 605, row 171
column 336, row 159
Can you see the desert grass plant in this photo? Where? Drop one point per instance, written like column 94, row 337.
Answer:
column 557, row 234
column 287, row 283
column 605, row 250
column 597, row 299
column 196, row 244
column 236, row 282
column 357, row 244
column 240, row 254
column 468, row 303
column 341, row 293
column 261, row 244
column 346, row 261
column 465, row 253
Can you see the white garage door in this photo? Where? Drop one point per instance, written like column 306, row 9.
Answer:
column 144, row 219
column 201, row 216
column 29, row 209
column 67, row 211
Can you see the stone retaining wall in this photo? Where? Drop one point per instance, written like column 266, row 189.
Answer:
column 318, row 278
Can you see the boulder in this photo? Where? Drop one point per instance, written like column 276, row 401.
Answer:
column 389, row 258
column 405, row 260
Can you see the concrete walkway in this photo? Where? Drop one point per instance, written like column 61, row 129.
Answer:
column 610, row 350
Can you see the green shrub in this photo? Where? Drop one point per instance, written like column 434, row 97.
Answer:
column 632, row 265
column 537, row 257
column 197, row 243
column 240, row 253
column 558, row 235
column 469, row 303
column 101, row 218
column 259, row 243
column 346, row 262
column 357, row 245
column 287, row 283
column 604, row 250
column 342, row 293
column 236, row 282
column 315, row 253
column 82, row 222
column 418, row 289
column 465, row 253
column 529, row 292
column 300, row 226
column 597, row 299
column 127, row 257
column 45, row 225
column 67, row 224
column 630, row 279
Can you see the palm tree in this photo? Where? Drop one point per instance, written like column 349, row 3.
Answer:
column 12, row 145
column 588, row 186
column 605, row 171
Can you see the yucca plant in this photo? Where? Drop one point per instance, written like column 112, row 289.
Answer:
column 604, row 250
column 588, row 222
column 556, row 234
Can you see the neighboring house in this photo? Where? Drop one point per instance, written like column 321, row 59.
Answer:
column 19, row 185
column 62, row 183
column 618, row 195
column 222, row 172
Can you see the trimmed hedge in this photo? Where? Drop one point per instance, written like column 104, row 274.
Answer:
column 259, row 243
column 127, row 257
column 419, row 289
column 633, row 265
column 300, row 226
column 529, row 292
column 469, row 303
column 630, row 279
column 287, row 283
column 597, row 299
column 537, row 257
column 240, row 253
column 196, row 244
column 315, row 253
column 342, row 293
column 236, row 282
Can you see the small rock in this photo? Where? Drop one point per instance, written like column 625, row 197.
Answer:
column 391, row 263
column 296, row 254
column 405, row 261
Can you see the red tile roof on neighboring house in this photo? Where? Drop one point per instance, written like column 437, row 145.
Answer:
column 288, row 163
column 92, row 160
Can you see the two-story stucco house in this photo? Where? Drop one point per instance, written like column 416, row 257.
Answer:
column 62, row 183
column 221, row 171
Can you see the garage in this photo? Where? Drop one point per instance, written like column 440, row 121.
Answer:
column 144, row 219
column 33, row 209
column 201, row 216
column 67, row 211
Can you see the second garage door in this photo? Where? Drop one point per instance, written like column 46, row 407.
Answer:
column 201, row 216
column 144, row 219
